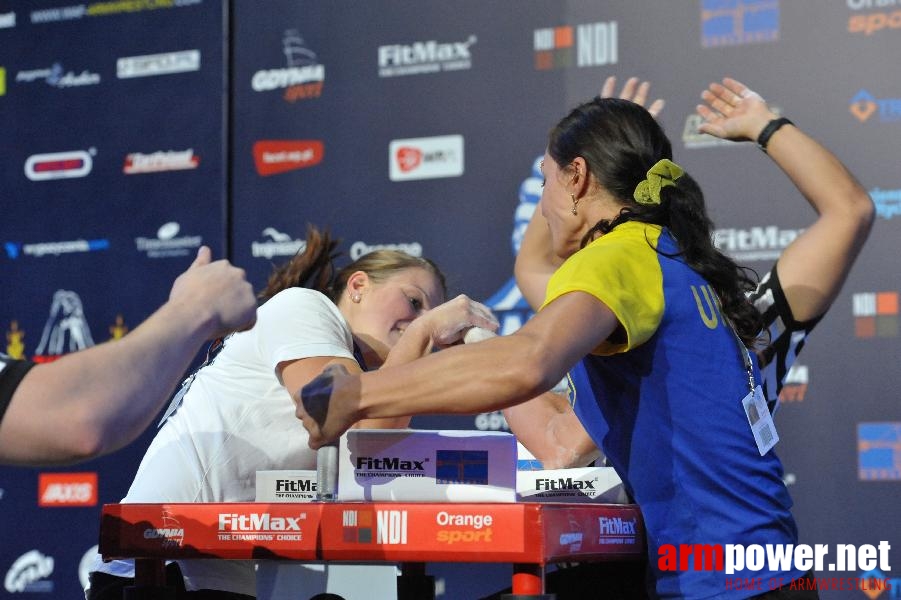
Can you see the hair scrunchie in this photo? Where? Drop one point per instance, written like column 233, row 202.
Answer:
column 664, row 172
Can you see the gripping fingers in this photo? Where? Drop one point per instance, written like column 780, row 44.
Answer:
column 486, row 313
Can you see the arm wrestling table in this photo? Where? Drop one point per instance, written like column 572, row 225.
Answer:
column 528, row 535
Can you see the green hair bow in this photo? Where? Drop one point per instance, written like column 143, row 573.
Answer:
column 664, row 172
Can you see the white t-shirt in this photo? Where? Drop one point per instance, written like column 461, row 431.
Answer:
column 235, row 419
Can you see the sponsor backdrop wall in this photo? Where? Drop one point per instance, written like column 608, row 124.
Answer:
column 136, row 131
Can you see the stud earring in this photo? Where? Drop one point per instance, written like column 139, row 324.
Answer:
column 355, row 298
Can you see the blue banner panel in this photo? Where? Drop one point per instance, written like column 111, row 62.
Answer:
column 112, row 176
column 135, row 131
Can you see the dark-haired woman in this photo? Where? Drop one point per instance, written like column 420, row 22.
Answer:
column 667, row 334
column 235, row 415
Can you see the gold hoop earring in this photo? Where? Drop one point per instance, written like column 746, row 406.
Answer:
column 575, row 203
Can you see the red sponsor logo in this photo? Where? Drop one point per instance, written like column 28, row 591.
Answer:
column 408, row 158
column 171, row 160
column 58, row 165
column 279, row 156
column 67, row 489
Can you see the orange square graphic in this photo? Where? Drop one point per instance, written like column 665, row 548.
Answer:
column 887, row 303
column 364, row 519
column 563, row 37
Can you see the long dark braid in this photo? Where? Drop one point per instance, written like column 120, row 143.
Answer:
column 620, row 141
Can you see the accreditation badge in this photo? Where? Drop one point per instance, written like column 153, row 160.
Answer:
column 761, row 421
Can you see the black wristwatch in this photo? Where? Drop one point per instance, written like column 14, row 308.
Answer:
column 772, row 127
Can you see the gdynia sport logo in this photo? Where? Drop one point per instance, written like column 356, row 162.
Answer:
column 746, row 561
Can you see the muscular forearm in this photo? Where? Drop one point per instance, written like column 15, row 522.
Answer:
column 416, row 342
column 486, row 376
column 814, row 267
column 490, row 375
column 536, row 261
column 101, row 398
column 820, row 176
column 550, row 430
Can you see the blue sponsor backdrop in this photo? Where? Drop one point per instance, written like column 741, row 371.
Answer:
column 134, row 131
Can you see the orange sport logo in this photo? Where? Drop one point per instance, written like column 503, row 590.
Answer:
column 871, row 23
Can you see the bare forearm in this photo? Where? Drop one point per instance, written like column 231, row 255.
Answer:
column 416, row 342
column 536, row 261
column 550, row 430
column 815, row 265
column 487, row 376
column 820, row 176
column 101, row 398
column 479, row 377
column 573, row 446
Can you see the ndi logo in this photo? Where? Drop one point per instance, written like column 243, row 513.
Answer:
column 593, row 45
column 875, row 314
column 390, row 526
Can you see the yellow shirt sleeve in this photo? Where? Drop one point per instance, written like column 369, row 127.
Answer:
column 622, row 270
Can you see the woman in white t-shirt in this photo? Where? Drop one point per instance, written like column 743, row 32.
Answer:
column 235, row 414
